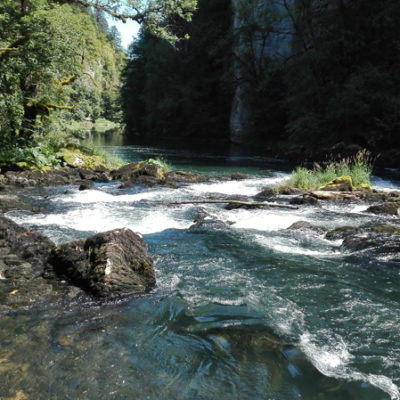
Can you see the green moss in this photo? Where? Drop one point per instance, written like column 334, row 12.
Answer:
column 343, row 183
column 77, row 159
column 364, row 187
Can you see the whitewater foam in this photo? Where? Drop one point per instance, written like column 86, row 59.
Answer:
column 100, row 218
column 333, row 360
column 247, row 187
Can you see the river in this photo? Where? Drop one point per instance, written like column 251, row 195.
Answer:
column 243, row 308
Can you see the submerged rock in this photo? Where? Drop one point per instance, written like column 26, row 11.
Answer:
column 113, row 263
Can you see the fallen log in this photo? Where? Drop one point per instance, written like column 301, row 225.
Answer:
column 239, row 203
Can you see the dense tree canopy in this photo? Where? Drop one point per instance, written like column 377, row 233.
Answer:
column 59, row 62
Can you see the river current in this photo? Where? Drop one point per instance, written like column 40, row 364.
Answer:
column 243, row 308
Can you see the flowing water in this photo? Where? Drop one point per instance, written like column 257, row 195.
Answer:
column 243, row 308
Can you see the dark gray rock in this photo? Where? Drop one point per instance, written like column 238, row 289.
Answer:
column 305, row 200
column 388, row 208
column 379, row 244
column 206, row 225
column 109, row 264
column 265, row 194
column 85, row 185
column 306, row 226
column 23, row 256
column 343, row 232
column 32, row 247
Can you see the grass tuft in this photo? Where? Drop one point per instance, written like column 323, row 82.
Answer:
column 358, row 167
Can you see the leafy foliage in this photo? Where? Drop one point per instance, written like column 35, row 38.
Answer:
column 59, row 64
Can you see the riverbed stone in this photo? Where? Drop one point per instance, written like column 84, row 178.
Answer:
column 108, row 264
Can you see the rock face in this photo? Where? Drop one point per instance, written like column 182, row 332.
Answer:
column 109, row 264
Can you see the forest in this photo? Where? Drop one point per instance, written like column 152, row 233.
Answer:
column 284, row 78
column 297, row 80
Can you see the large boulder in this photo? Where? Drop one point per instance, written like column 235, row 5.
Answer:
column 77, row 159
column 108, row 264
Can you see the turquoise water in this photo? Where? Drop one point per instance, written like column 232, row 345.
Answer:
column 243, row 308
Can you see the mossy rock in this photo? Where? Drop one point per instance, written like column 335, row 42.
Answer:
column 364, row 187
column 77, row 159
column 341, row 184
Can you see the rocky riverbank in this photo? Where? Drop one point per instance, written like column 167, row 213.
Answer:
column 34, row 271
